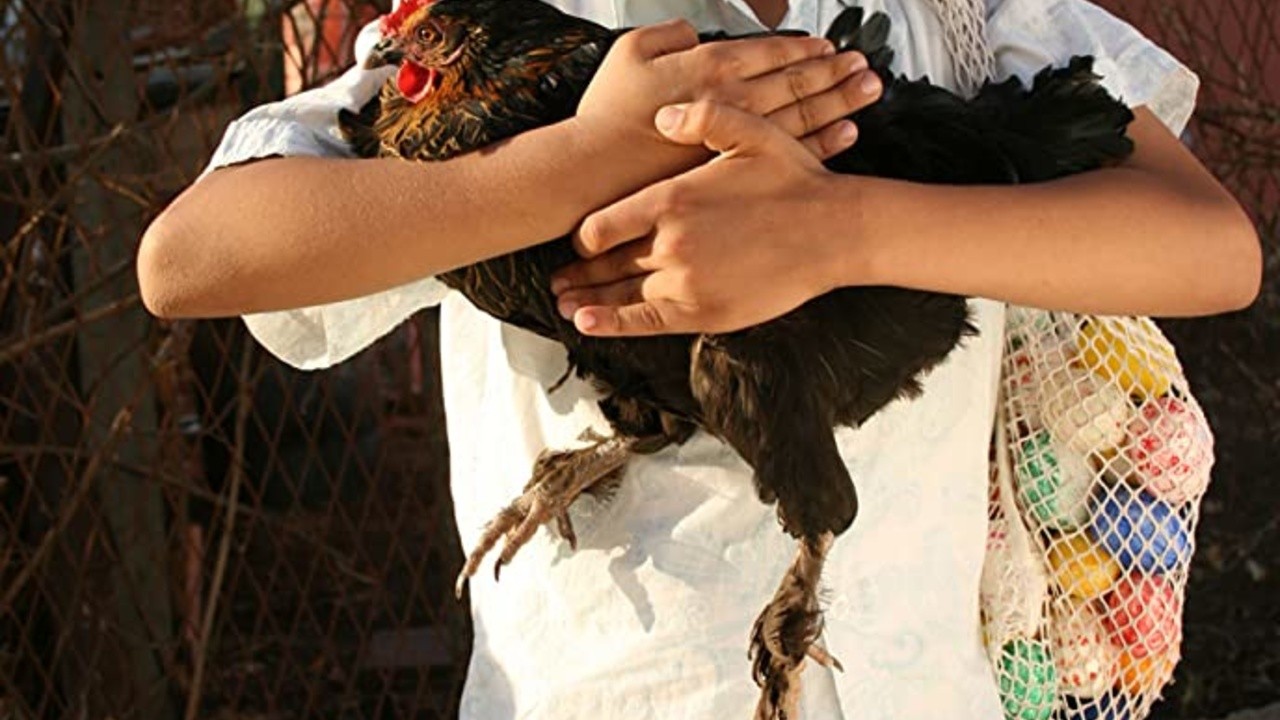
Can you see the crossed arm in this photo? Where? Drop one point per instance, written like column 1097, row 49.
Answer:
column 300, row 231
column 715, row 246
column 740, row 241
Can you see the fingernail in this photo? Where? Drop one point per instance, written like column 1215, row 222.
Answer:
column 559, row 285
column 848, row 133
column 857, row 62
column 828, row 48
column 870, row 83
column 669, row 117
column 586, row 321
column 567, row 308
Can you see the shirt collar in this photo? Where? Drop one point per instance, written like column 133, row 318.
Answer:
column 745, row 9
column 801, row 14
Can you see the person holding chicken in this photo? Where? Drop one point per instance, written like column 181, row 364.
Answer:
column 328, row 253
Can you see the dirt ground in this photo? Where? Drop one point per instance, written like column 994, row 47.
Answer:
column 1231, row 648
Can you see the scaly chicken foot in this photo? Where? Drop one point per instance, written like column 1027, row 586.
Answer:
column 785, row 634
column 558, row 479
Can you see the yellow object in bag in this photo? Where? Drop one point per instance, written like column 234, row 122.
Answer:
column 1129, row 351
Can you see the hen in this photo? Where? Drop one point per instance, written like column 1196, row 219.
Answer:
column 473, row 72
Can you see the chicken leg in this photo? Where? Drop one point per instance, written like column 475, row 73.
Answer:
column 785, row 632
column 558, row 479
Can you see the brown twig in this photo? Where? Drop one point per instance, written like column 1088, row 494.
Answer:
column 107, row 276
column 341, row 562
column 12, row 352
column 117, row 132
column 12, row 245
column 244, row 403
column 114, row 435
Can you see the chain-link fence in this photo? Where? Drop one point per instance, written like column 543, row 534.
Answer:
column 190, row 529
column 187, row 527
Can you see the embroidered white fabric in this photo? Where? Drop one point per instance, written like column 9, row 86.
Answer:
column 649, row 618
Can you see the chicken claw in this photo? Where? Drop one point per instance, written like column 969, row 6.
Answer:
column 558, row 479
column 786, row 632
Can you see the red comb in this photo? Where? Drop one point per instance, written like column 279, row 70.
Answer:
column 391, row 23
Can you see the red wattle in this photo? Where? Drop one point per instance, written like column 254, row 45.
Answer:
column 413, row 80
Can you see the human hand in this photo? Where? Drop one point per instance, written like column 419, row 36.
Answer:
column 798, row 83
column 734, row 243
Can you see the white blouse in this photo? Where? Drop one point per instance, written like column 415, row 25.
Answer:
column 649, row 619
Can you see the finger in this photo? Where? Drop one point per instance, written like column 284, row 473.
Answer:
column 631, row 217
column 643, row 318
column 664, row 38
column 809, row 114
column 747, row 58
column 720, row 127
column 629, row 260
column 617, row 294
column 831, row 140
column 785, row 88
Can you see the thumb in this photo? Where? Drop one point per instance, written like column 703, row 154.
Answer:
column 722, row 128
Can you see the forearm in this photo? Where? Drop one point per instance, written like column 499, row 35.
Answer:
column 1107, row 243
column 1157, row 236
column 286, row 233
column 290, row 232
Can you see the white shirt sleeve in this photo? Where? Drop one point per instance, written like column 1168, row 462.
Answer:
column 307, row 125
column 1027, row 35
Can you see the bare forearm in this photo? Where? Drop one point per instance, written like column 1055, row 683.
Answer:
column 761, row 230
column 1108, row 243
column 291, row 232
column 1157, row 236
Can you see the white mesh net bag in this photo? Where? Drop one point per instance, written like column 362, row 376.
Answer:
column 1102, row 456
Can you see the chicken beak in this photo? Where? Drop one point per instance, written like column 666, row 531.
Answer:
column 386, row 52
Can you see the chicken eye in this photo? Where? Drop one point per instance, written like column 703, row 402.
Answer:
column 428, row 34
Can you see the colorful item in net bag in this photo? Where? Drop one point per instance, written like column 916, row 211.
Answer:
column 1084, row 414
column 1020, row 369
column 1054, row 484
column 1033, row 328
column 1085, row 658
column 1130, row 352
column 1025, row 367
column 1171, row 449
column 1082, row 568
column 1028, row 680
column 1146, row 675
column 1110, row 706
column 1139, row 530
column 1035, row 348
column 1143, row 616
column 1014, row 585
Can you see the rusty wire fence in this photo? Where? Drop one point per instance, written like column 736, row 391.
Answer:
column 189, row 528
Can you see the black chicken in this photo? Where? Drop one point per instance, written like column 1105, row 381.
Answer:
column 473, row 72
